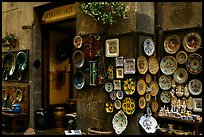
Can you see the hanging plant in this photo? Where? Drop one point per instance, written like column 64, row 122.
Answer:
column 106, row 12
column 9, row 40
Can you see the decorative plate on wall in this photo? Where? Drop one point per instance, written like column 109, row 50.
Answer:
column 109, row 107
column 154, row 106
column 181, row 57
column 78, row 59
column 180, row 75
column 148, row 78
column 195, row 86
column 194, row 63
column 113, row 95
column 153, row 65
column 154, row 88
column 165, row 96
column 119, row 94
column 117, row 104
column 168, row 65
column 112, row 47
column 141, row 87
column 77, row 42
column 142, row 102
column 149, row 47
column 119, row 61
column 142, row 65
column 148, row 96
column 8, row 65
column 129, row 85
column 172, row 44
column 119, row 122
column 79, row 80
column 128, row 105
column 165, row 82
column 19, row 95
column 108, row 86
column 129, row 66
column 192, row 42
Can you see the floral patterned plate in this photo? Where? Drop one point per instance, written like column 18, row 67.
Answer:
column 142, row 65
column 153, row 65
column 172, row 44
column 149, row 47
column 129, row 66
column 142, row 102
column 181, row 57
column 154, row 88
column 168, row 65
column 141, row 87
column 129, row 85
column 128, row 106
column 165, row 82
column 195, row 86
column 194, row 63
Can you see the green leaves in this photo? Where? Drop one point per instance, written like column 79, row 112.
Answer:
column 106, row 12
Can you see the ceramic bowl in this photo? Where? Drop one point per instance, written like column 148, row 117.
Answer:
column 179, row 132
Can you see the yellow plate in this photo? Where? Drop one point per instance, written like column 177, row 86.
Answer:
column 142, row 65
column 141, row 87
column 154, row 87
column 172, row 44
column 153, row 65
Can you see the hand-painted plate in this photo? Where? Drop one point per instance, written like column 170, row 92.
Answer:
column 165, row 96
column 154, row 106
column 119, row 122
column 180, row 75
column 119, row 94
column 19, row 95
column 77, row 42
column 165, row 82
column 9, row 64
column 148, row 96
column 141, row 87
column 153, row 65
column 172, row 44
column 129, row 66
column 192, row 42
column 142, row 102
column 21, row 61
column 109, row 107
column 119, row 61
column 195, row 86
column 148, row 78
column 128, row 106
column 129, row 85
column 142, row 65
column 148, row 123
column 117, row 104
column 78, row 59
column 194, row 63
column 113, row 95
column 149, row 47
column 79, row 80
column 108, row 86
column 181, row 57
column 154, row 88
column 168, row 65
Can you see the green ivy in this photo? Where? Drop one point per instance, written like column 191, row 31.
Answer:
column 106, row 12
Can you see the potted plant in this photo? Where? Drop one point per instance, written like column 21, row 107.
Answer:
column 9, row 40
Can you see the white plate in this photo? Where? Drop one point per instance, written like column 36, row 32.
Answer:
column 129, row 66
column 113, row 95
column 149, row 46
column 195, row 86
column 77, row 42
column 165, row 96
column 119, row 94
column 168, row 65
column 108, row 86
column 117, row 104
column 165, row 82
column 148, row 123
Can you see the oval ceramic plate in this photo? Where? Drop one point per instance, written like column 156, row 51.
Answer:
column 168, row 65
column 172, row 44
column 78, row 59
column 153, row 65
column 77, row 42
column 148, row 78
column 141, row 87
column 154, row 88
column 19, row 95
column 149, row 47
column 142, row 102
column 142, row 65
column 181, row 57
column 119, row 94
column 195, row 86
column 9, row 63
column 194, row 63
column 119, row 122
column 154, row 106
column 129, row 85
column 79, row 80
column 180, row 75
column 165, row 82
column 148, row 123
column 165, row 96
column 113, row 95
column 148, row 96
column 109, row 107
column 117, row 104
column 192, row 42
column 21, row 61
column 128, row 105
column 108, row 86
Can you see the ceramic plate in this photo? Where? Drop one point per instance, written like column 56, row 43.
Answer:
column 117, row 104
column 112, row 47
column 109, row 107
column 172, row 44
column 165, row 96
column 113, row 95
column 190, row 103
column 9, row 63
column 165, row 82
column 154, row 106
column 21, row 61
column 148, row 96
column 142, row 102
column 141, row 87
column 168, row 65
column 129, row 85
column 19, row 95
column 78, row 59
column 129, row 66
column 194, row 63
column 180, row 75
column 181, row 57
column 79, row 80
column 195, row 86
column 148, row 123
column 128, row 106
column 153, row 65
column 149, row 47
column 108, row 86
column 142, row 65
column 192, row 42
column 154, row 88
column 120, row 94
column 77, row 42
column 119, row 122
column 148, row 78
